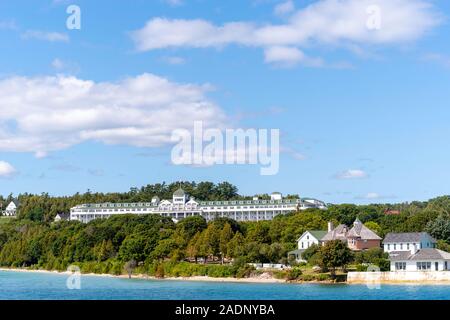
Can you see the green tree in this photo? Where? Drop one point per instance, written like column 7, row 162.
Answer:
column 164, row 249
column 211, row 240
column 236, row 245
column 440, row 227
column 375, row 227
column 188, row 227
column 193, row 249
column 225, row 237
column 335, row 254
column 310, row 252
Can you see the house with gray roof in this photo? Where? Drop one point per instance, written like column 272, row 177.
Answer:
column 415, row 251
column 359, row 237
column 428, row 259
column 62, row 217
column 408, row 241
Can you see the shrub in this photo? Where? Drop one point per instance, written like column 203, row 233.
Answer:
column 361, row 268
column 159, row 271
column 293, row 274
column 246, row 271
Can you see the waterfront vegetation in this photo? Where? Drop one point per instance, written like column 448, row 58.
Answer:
column 156, row 246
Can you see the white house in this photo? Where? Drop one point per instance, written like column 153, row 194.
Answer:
column 415, row 251
column 428, row 259
column 62, row 217
column 306, row 240
column 182, row 206
column 411, row 241
column 310, row 237
column 11, row 209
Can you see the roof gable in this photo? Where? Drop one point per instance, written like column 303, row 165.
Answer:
column 359, row 230
column 318, row 234
column 338, row 233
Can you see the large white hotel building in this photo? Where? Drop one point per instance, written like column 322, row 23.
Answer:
column 182, row 206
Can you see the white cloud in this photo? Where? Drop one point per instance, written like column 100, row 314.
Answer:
column 375, row 196
column 327, row 23
column 352, row 174
column 284, row 8
column 189, row 33
column 287, row 56
column 44, row 114
column 57, row 64
column 6, row 170
column 68, row 67
column 174, row 3
column 174, row 60
column 372, row 195
column 45, row 36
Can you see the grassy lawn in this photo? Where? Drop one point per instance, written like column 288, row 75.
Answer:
column 5, row 219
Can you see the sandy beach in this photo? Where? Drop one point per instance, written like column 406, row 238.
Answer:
column 261, row 279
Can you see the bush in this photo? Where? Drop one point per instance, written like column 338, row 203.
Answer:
column 293, row 274
column 246, row 271
column 159, row 271
column 361, row 268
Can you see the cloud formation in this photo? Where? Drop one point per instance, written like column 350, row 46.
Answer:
column 284, row 8
column 375, row 196
column 45, row 36
column 352, row 174
column 326, row 23
column 43, row 114
column 6, row 170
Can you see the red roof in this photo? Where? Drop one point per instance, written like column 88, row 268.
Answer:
column 392, row 212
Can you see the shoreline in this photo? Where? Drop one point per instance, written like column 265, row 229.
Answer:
column 147, row 277
column 227, row 279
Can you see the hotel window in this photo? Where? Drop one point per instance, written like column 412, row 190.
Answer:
column 389, row 247
column 401, row 246
column 407, row 246
column 395, row 246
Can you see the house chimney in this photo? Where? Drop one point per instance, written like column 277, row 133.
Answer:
column 330, row 226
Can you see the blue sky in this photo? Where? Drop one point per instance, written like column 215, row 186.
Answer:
column 363, row 114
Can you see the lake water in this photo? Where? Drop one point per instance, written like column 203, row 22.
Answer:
column 44, row 286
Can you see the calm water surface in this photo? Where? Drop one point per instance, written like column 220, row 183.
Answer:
column 32, row 286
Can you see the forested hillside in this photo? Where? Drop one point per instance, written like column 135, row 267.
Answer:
column 144, row 242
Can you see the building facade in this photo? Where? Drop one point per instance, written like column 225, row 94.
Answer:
column 408, row 241
column 306, row 240
column 415, row 251
column 11, row 209
column 310, row 237
column 357, row 238
column 182, row 206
